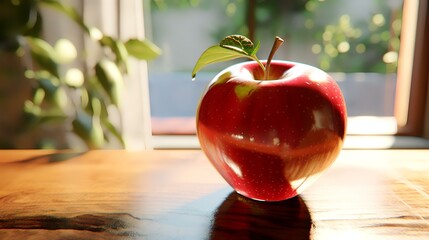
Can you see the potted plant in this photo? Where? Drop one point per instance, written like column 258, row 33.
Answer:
column 38, row 88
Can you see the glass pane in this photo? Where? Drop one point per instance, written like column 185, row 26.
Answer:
column 356, row 41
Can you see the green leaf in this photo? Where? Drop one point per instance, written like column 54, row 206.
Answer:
column 74, row 78
column 44, row 55
column 238, row 43
column 89, row 129
column 54, row 94
column 110, row 78
column 121, row 53
column 231, row 47
column 74, row 15
column 51, row 117
column 30, row 116
column 38, row 96
column 16, row 17
column 142, row 49
column 35, row 30
column 113, row 130
column 88, row 100
column 49, row 86
column 118, row 48
column 34, row 116
column 69, row 11
column 53, row 90
column 65, row 50
column 255, row 49
column 215, row 54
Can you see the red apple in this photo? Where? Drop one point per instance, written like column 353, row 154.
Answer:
column 270, row 138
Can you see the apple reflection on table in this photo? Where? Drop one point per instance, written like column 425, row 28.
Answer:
column 239, row 217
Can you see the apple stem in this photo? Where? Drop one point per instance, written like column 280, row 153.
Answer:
column 276, row 45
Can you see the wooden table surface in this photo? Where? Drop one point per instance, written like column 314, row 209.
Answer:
column 163, row 194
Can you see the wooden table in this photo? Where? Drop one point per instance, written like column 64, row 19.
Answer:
column 163, row 194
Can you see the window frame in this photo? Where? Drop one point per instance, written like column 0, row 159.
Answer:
column 412, row 87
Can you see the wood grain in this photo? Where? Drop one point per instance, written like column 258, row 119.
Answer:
column 115, row 194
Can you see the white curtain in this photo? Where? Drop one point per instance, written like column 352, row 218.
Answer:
column 124, row 19
column 121, row 19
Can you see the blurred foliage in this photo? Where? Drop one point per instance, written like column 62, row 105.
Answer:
column 341, row 44
column 76, row 98
column 371, row 45
column 167, row 4
column 269, row 14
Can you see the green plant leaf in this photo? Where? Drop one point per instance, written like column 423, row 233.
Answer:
column 34, row 116
column 38, row 96
column 110, row 78
column 16, row 17
column 142, row 49
column 74, row 78
column 44, row 55
column 113, row 130
column 51, row 116
column 53, row 90
column 49, row 86
column 69, row 11
column 88, row 97
column 255, row 49
column 30, row 116
column 215, row 54
column 238, row 43
column 121, row 53
column 35, row 30
column 65, row 51
column 231, row 47
column 88, row 128
column 118, row 48
column 55, row 94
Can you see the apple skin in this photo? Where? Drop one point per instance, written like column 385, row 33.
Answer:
column 270, row 139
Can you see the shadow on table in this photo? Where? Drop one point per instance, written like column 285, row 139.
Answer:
column 242, row 218
column 49, row 157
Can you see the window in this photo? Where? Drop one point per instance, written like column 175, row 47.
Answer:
column 359, row 43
